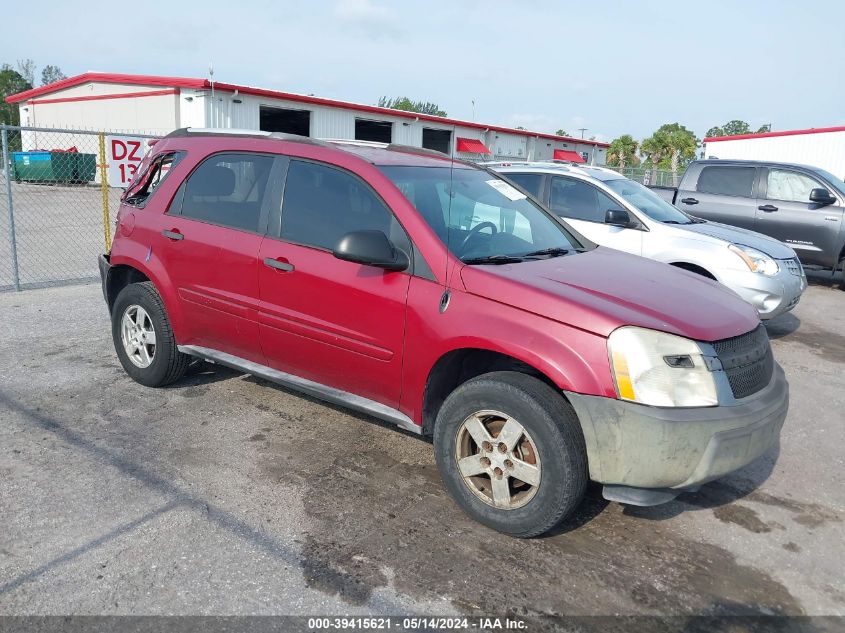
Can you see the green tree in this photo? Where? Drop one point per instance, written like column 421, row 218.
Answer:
column 623, row 152
column 681, row 144
column 408, row 105
column 731, row 128
column 51, row 74
column 655, row 148
column 11, row 82
column 562, row 132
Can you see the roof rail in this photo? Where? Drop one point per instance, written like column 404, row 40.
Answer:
column 413, row 149
column 243, row 133
column 347, row 141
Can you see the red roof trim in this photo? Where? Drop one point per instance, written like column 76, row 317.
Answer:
column 471, row 146
column 812, row 130
column 187, row 82
column 568, row 154
column 116, row 95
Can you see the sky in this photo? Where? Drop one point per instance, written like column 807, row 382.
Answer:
column 611, row 67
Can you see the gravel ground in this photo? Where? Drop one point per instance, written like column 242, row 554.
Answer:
column 224, row 494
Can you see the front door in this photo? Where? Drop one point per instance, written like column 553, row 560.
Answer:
column 584, row 206
column 785, row 212
column 335, row 322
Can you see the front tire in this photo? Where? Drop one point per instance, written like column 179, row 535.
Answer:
column 143, row 337
column 511, row 453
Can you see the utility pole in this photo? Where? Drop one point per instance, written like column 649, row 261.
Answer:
column 582, row 130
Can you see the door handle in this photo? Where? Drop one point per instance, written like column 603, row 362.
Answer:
column 768, row 208
column 279, row 264
column 689, row 201
column 173, row 234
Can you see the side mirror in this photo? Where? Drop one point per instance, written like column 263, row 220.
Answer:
column 820, row 195
column 371, row 248
column 617, row 217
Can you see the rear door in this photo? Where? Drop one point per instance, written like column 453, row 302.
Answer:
column 584, row 206
column 784, row 211
column 335, row 322
column 209, row 241
column 723, row 193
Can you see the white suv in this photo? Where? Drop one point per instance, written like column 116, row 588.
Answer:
column 614, row 211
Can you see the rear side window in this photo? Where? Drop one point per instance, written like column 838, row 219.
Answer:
column 532, row 183
column 159, row 168
column 727, row 181
column 322, row 204
column 228, row 189
column 578, row 200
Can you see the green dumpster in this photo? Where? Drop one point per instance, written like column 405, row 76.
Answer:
column 64, row 167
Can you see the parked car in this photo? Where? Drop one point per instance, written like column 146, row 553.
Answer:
column 360, row 275
column 799, row 205
column 614, row 211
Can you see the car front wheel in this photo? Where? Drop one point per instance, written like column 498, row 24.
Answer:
column 511, row 453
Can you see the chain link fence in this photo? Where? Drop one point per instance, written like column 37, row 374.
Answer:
column 56, row 206
column 652, row 178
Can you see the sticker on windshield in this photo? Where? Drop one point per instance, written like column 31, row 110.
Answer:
column 510, row 192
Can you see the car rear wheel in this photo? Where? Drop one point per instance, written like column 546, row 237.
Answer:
column 143, row 337
column 511, row 453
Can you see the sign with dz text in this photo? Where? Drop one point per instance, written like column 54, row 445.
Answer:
column 123, row 156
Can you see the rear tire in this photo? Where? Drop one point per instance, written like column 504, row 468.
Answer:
column 532, row 431
column 143, row 338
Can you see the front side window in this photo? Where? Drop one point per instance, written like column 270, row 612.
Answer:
column 479, row 216
column 579, row 200
column 228, row 189
column 644, row 199
column 727, row 181
column 322, row 204
column 790, row 186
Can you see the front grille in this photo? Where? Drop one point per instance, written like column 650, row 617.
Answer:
column 747, row 361
column 794, row 266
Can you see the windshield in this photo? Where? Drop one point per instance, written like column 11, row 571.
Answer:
column 481, row 218
column 645, row 200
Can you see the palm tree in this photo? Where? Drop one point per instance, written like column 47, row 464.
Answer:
column 623, row 151
column 681, row 145
column 655, row 148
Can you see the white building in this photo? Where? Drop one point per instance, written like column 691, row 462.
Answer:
column 158, row 105
column 819, row 147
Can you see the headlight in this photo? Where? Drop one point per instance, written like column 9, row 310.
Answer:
column 756, row 261
column 659, row 369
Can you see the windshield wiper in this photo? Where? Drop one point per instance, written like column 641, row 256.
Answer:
column 675, row 222
column 494, row 259
column 554, row 251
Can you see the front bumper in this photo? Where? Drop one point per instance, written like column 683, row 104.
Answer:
column 771, row 296
column 637, row 446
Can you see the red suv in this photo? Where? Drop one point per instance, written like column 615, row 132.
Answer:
column 433, row 294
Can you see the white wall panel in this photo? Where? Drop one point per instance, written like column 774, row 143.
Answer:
column 823, row 149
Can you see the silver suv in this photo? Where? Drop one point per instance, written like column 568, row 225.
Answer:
column 614, row 211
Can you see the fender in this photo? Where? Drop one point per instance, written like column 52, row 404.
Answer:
column 133, row 254
column 545, row 345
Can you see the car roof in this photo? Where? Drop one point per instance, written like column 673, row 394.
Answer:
column 545, row 167
column 372, row 152
column 752, row 163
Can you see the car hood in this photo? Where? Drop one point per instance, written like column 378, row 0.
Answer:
column 603, row 289
column 736, row 235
